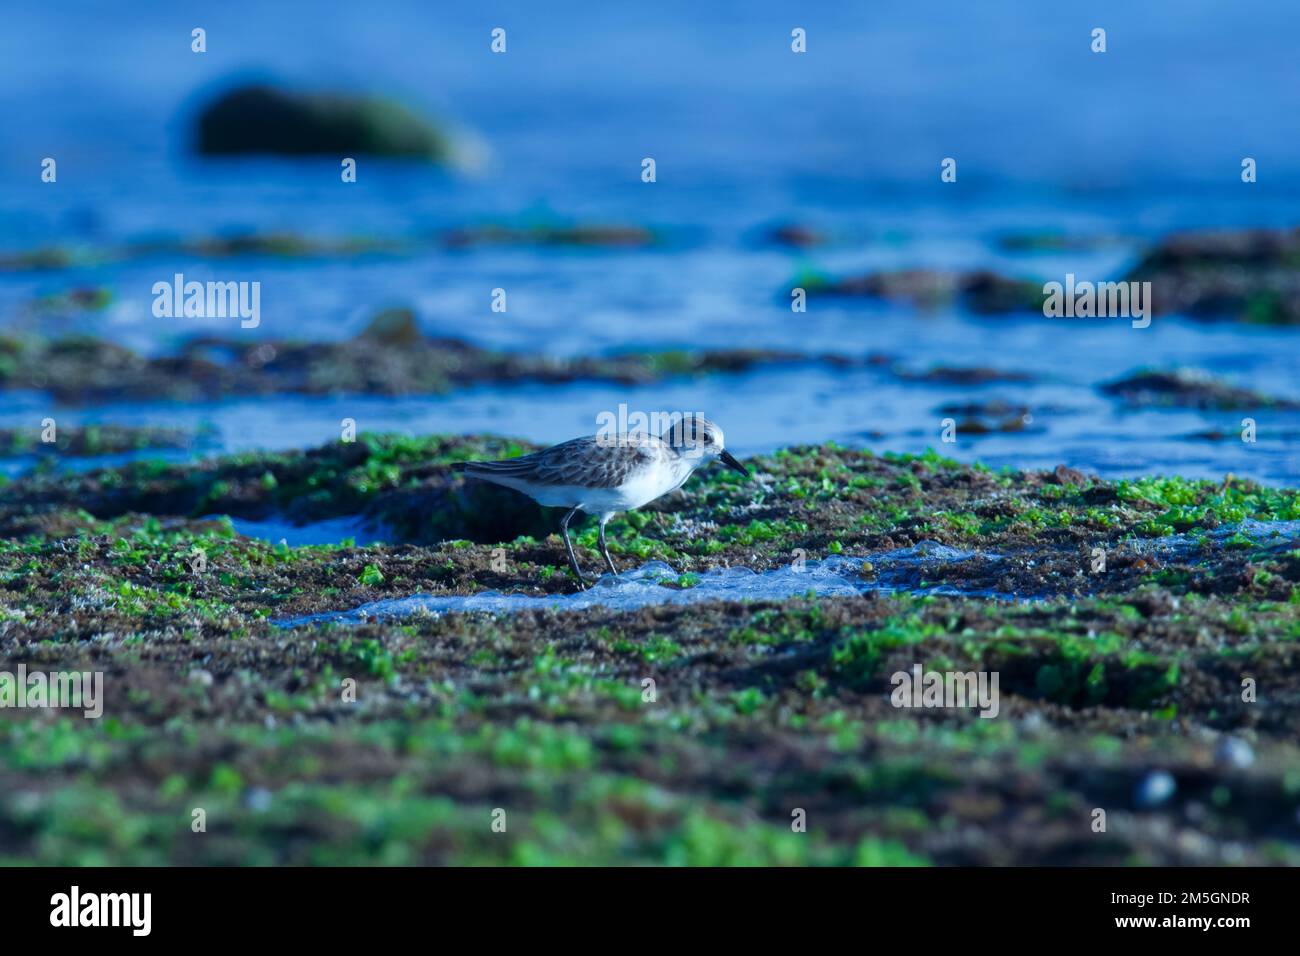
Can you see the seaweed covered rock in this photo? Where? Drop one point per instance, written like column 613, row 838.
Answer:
column 980, row 291
column 1188, row 388
column 391, row 356
column 261, row 119
column 1250, row 275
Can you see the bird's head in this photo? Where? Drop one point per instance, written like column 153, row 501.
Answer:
column 696, row 438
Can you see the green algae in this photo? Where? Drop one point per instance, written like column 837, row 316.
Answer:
column 753, row 712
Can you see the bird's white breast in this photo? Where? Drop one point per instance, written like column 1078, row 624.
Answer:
column 640, row 487
column 646, row 485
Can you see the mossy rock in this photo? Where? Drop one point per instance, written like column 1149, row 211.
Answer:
column 264, row 120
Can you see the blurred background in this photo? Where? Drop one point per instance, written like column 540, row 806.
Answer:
column 774, row 170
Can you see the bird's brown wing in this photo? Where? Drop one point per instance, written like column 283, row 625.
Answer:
column 593, row 462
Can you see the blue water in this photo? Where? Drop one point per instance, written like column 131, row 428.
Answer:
column 912, row 569
column 1120, row 147
column 836, row 576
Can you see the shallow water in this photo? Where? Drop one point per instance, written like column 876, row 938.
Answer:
column 746, row 135
column 330, row 531
column 769, row 409
column 899, row 570
column 836, row 576
column 1264, row 536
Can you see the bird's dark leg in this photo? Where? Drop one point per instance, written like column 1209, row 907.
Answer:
column 604, row 549
column 568, row 546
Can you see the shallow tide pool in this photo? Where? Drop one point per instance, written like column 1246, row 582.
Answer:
column 900, row 570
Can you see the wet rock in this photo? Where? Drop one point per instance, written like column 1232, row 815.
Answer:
column 984, row 418
column 38, row 260
column 390, row 357
column 1188, row 388
column 965, row 375
column 794, row 236
column 1010, row 537
column 91, row 440
column 537, row 701
column 584, row 236
column 981, row 291
column 279, row 245
column 393, row 327
column 1064, row 475
column 975, row 426
column 1248, row 275
column 264, row 120
column 87, row 298
column 1100, row 494
column 284, row 244
column 1054, row 242
column 992, row 294
column 925, row 288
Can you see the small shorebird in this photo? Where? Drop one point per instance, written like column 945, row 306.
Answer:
column 606, row 474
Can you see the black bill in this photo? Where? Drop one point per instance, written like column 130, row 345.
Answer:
column 728, row 459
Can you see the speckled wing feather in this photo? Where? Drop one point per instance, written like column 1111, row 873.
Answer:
column 590, row 462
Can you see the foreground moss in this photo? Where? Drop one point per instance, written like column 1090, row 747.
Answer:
column 759, row 713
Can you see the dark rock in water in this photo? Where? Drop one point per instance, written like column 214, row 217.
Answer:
column 981, row 291
column 1052, row 242
column 1249, row 275
column 393, row 327
column 391, row 356
column 991, row 293
column 581, row 236
column 89, row 298
column 1188, row 388
column 979, row 426
column 52, row 257
column 281, row 245
column 985, row 418
column 922, row 287
column 794, row 236
column 262, row 119
column 962, row 375
column 92, row 440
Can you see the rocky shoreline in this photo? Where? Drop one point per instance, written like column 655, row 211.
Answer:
column 392, row 356
column 1112, row 675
